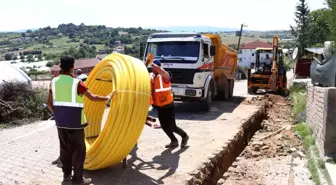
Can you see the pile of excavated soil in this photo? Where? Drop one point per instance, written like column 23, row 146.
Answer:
column 268, row 157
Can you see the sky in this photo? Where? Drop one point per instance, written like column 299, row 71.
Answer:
column 257, row 14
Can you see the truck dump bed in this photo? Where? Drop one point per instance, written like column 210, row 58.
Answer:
column 225, row 58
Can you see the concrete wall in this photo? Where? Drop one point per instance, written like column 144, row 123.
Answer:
column 245, row 57
column 321, row 117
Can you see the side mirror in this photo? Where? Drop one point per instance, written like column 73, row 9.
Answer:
column 212, row 50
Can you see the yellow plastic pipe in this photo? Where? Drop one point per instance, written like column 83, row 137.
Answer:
column 128, row 110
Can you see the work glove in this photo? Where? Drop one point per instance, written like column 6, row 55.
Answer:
column 149, row 59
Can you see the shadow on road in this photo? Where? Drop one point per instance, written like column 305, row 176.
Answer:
column 167, row 160
column 193, row 110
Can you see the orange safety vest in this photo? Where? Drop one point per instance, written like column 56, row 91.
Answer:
column 161, row 92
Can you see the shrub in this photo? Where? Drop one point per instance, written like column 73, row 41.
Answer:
column 20, row 103
column 50, row 64
column 298, row 96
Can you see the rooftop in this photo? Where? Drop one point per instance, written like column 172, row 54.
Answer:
column 80, row 64
column 256, row 44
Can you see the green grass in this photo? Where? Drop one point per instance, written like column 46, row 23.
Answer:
column 306, row 135
column 4, row 36
column 299, row 98
column 308, row 143
column 315, row 163
column 61, row 45
column 62, row 42
column 99, row 46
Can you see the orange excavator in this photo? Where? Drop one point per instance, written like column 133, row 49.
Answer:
column 263, row 76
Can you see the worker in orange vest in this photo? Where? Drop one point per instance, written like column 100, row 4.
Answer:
column 163, row 102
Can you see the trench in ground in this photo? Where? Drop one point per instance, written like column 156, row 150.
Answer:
column 220, row 163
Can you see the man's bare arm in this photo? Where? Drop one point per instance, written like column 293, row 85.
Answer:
column 165, row 75
column 50, row 103
column 94, row 97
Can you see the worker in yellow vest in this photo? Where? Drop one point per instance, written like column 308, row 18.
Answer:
column 163, row 101
column 65, row 101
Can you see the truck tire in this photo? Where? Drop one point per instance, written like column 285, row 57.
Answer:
column 206, row 103
column 231, row 84
column 223, row 92
column 226, row 91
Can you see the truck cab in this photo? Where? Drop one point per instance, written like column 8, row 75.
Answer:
column 190, row 59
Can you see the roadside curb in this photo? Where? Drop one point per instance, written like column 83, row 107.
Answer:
column 217, row 165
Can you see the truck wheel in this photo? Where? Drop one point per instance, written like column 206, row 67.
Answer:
column 231, row 84
column 206, row 103
column 227, row 90
column 224, row 90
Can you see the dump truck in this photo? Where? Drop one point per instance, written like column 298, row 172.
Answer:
column 200, row 66
column 268, row 77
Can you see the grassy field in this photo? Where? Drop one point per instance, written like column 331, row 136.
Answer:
column 4, row 36
column 231, row 39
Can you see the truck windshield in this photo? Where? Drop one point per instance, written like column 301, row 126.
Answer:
column 181, row 52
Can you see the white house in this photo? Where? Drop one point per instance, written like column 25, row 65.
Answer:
column 246, row 53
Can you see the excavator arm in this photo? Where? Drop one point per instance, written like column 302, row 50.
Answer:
column 275, row 59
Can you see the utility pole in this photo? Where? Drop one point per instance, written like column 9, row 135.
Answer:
column 141, row 50
column 240, row 33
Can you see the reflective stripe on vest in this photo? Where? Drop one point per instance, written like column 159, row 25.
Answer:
column 162, row 94
column 161, row 89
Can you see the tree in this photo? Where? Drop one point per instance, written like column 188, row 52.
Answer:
column 30, row 58
column 332, row 18
column 50, row 64
column 318, row 26
column 8, row 56
column 300, row 31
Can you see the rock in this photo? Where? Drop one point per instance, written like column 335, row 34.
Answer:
column 221, row 181
column 256, row 148
column 265, row 147
column 234, row 165
column 259, row 143
column 291, row 150
column 301, row 117
column 255, row 154
column 301, row 154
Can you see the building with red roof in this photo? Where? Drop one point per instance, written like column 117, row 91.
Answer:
column 246, row 53
column 86, row 65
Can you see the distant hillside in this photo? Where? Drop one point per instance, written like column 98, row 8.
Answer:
column 193, row 29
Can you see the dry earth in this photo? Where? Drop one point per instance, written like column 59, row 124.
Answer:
column 275, row 154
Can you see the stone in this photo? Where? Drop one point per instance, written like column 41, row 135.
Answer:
column 265, row 147
column 255, row 154
column 234, row 165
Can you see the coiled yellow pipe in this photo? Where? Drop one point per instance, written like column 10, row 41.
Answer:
column 128, row 110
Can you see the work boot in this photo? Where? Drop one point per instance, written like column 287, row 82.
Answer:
column 83, row 181
column 66, row 178
column 184, row 141
column 173, row 144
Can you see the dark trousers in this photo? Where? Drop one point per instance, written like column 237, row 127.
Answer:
column 72, row 151
column 166, row 115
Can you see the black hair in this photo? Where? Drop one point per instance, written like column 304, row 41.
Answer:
column 67, row 62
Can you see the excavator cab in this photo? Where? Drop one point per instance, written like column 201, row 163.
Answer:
column 261, row 66
column 268, row 73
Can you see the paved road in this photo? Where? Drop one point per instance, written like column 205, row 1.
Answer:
column 26, row 152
